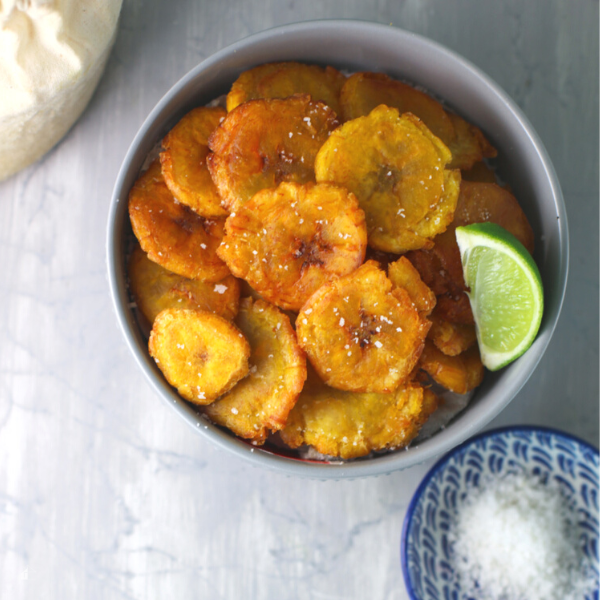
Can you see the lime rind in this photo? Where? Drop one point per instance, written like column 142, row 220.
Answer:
column 471, row 240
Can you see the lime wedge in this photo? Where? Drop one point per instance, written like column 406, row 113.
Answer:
column 506, row 292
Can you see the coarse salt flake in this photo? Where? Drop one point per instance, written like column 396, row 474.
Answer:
column 517, row 538
column 220, row 288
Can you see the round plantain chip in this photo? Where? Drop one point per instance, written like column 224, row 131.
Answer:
column 183, row 161
column 363, row 92
column 261, row 402
column 262, row 143
column 402, row 274
column 360, row 334
column 201, row 354
column 281, row 80
column 154, row 289
column 350, row 425
column 460, row 374
column 480, row 202
column 451, row 338
column 288, row 241
column 469, row 146
column 172, row 234
column 397, row 169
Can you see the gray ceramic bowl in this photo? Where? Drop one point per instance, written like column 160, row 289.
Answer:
column 354, row 46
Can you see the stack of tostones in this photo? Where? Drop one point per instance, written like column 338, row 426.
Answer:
column 329, row 204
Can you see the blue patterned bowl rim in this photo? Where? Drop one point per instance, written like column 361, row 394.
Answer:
column 443, row 462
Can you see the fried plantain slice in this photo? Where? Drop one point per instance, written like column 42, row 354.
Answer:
column 440, row 216
column 451, row 338
column 261, row 402
column 456, row 308
column 469, row 146
column 201, row 354
column 281, row 80
column 402, row 274
column 350, row 425
column 459, row 374
column 396, row 168
column 262, row 143
column 288, row 241
column 362, row 92
column 360, row 334
column 440, row 267
column 487, row 202
column 172, row 234
column 154, row 289
column 183, row 161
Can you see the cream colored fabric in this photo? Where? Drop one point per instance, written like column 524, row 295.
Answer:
column 52, row 54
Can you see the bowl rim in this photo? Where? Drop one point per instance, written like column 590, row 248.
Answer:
column 443, row 462
column 393, row 461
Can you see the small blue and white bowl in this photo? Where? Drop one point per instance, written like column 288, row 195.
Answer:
column 427, row 553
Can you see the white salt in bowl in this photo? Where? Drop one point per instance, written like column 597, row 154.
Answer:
column 358, row 46
column 561, row 461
